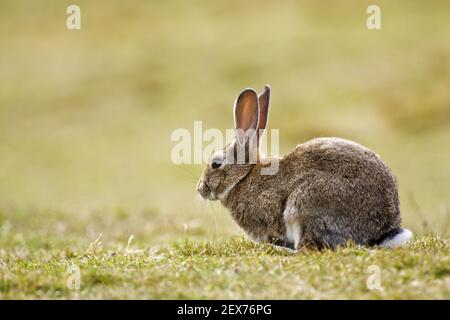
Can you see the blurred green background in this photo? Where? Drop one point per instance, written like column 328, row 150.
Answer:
column 86, row 115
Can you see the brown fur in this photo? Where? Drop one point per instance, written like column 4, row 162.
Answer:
column 328, row 191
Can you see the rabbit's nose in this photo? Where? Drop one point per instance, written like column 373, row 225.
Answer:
column 202, row 185
column 199, row 183
column 204, row 189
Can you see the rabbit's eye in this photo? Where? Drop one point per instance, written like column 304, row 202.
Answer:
column 216, row 163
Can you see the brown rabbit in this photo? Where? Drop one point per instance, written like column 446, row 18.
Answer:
column 326, row 192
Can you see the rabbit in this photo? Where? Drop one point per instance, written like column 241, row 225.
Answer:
column 325, row 193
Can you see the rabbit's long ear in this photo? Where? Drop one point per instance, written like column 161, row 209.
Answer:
column 246, row 115
column 264, row 100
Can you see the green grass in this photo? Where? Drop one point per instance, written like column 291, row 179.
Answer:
column 233, row 269
column 122, row 255
column 86, row 118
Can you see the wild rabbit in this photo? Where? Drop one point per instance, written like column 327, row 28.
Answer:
column 326, row 192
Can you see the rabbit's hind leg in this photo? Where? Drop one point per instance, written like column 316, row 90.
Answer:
column 293, row 226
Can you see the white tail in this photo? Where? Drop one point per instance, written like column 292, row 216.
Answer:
column 399, row 240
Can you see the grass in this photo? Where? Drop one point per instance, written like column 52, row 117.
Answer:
column 86, row 118
column 232, row 269
column 37, row 255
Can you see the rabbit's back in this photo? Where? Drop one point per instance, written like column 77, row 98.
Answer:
column 341, row 191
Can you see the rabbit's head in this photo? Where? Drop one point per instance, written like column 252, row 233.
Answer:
column 227, row 167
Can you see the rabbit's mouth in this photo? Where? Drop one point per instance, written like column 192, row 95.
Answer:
column 205, row 190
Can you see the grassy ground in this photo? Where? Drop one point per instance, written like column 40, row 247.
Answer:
column 233, row 269
column 86, row 118
column 37, row 260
